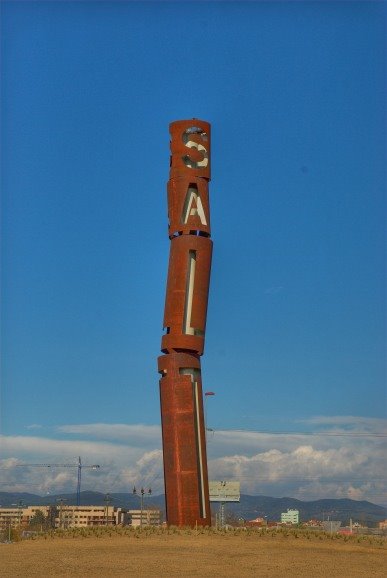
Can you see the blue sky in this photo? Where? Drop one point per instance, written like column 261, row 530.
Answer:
column 295, row 93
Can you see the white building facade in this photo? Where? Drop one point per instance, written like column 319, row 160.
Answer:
column 149, row 517
column 290, row 517
column 64, row 516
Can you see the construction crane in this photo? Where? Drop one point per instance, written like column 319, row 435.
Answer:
column 78, row 465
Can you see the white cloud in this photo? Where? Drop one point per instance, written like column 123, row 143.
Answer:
column 273, row 290
column 299, row 465
column 113, row 459
column 147, row 471
column 137, row 434
column 306, row 473
column 345, row 459
column 223, row 442
column 349, row 422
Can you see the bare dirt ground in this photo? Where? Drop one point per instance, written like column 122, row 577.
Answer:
column 204, row 556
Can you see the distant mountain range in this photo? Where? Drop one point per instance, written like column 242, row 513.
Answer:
column 248, row 508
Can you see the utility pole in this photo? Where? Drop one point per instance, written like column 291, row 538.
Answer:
column 107, row 502
column 142, row 492
column 19, row 507
column 79, row 481
column 221, row 514
column 60, row 500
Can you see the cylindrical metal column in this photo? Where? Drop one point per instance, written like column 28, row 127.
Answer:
column 181, row 396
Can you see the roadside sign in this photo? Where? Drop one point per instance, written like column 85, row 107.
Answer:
column 225, row 491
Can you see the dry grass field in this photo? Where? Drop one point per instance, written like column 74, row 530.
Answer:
column 168, row 554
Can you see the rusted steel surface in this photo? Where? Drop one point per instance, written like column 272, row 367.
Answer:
column 190, row 149
column 181, row 396
column 188, row 212
column 185, row 312
column 184, row 446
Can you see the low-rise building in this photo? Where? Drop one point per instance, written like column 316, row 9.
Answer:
column 85, row 516
column 21, row 516
column 290, row 517
column 312, row 523
column 149, row 517
column 257, row 522
column 65, row 516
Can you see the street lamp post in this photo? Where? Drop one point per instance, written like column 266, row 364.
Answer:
column 19, row 507
column 142, row 492
column 107, row 502
column 61, row 501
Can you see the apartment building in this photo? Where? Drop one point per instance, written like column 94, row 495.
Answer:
column 149, row 517
column 290, row 517
column 65, row 516
column 18, row 516
column 84, row 516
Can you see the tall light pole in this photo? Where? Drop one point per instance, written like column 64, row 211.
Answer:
column 141, row 496
column 61, row 500
column 19, row 507
column 107, row 502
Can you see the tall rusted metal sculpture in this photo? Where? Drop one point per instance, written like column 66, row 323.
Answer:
column 181, row 397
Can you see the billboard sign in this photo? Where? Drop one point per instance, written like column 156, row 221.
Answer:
column 225, row 491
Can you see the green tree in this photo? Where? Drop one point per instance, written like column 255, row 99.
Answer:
column 38, row 520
